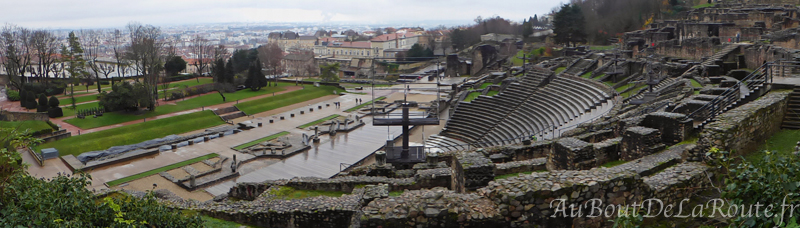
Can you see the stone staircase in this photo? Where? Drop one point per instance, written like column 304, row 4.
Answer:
column 792, row 118
column 229, row 113
column 722, row 53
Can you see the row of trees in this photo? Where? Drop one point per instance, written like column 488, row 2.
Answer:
column 139, row 49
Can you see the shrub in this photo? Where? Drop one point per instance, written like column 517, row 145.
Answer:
column 65, row 201
column 105, row 83
column 42, row 104
column 774, row 180
column 53, row 102
column 12, row 95
column 174, row 95
column 30, row 102
column 51, row 88
column 55, row 112
column 23, row 97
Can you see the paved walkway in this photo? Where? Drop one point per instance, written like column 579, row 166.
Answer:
column 223, row 146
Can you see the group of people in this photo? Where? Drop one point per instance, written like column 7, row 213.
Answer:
column 339, row 104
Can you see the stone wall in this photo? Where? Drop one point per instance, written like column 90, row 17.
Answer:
column 23, row 116
column 638, row 142
column 571, row 154
column 478, row 170
column 537, row 149
column 527, row 200
column 744, row 128
column 537, row 164
column 672, row 126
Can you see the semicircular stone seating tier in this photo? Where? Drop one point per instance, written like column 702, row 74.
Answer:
column 521, row 110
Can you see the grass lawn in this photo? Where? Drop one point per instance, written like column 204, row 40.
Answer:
column 782, row 142
column 613, row 163
column 294, row 97
column 516, row 59
column 68, row 111
column 355, row 85
column 395, row 193
column 286, row 192
column 471, row 96
column 487, row 84
column 633, row 91
column 623, row 88
column 68, row 100
column 587, row 75
column 134, row 133
column 560, row 69
column 601, row 48
column 219, row 223
column 492, row 93
column 76, row 94
column 319, row 121
column 112, row 118
column 162, row 169
column 703, row 5
column 212, row 222
column 189, row 83
column 30, row 125
column 696, row 84
column 599, row 76
column 254, row 142
column 312, row 79
column 363, row 105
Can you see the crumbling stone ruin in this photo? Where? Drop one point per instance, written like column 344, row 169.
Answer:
column 612, row 128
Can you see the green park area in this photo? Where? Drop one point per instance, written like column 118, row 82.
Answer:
column 162, row 169
column 206, row 100
column 30, row 125
column 257, row 141
column 134, row 133
column 294, row 97
column 472, row 96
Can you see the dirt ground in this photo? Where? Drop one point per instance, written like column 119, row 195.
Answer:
column 201, row 167
column 146, row 184
column 178, row 173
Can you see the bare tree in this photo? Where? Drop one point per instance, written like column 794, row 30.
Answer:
column 91, row 40
column 270, row 56
column 146, row 54
column 45, row 46
column 118, row 44
column 203, row 51
column 15, row 53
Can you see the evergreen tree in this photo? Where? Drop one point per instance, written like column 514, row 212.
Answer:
column 229, row 72
column 218, row 71
column 31, row 103
column 42, row 103
column 255, row 78
column 569, row 25
column 75, row 64
column 329, row 73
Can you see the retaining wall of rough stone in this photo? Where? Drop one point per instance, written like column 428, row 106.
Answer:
column 744, row 128
column 536, row 164
column 23, row 116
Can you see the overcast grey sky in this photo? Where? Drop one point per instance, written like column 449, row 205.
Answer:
column 117, row 13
